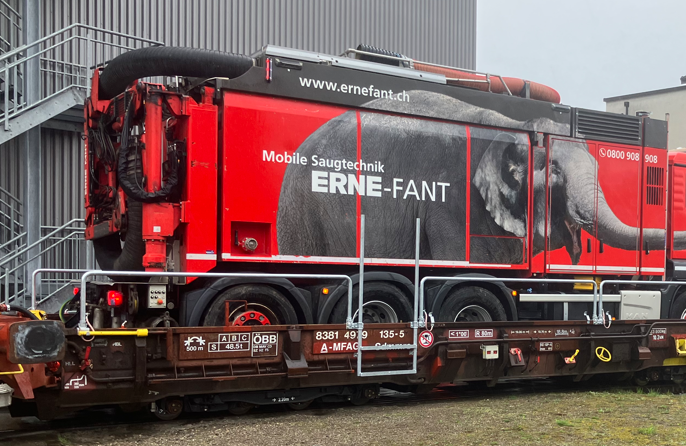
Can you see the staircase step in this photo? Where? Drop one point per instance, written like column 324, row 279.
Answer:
column 37, row 115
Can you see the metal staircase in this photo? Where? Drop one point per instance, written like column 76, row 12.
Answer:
column 64, row 60
column 60, row 247
column 10, row 27
column 40, row 81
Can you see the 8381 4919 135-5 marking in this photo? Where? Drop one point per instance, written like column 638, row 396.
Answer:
column 345, row 341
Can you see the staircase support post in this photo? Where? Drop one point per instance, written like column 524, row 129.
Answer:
column 31, row 141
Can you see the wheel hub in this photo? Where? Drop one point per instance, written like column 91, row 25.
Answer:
column 376, row 312
column 251, row 317
column 473, row 313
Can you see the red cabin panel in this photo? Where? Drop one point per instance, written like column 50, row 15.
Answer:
column 617, row 209
column 198, row 249
column 677, row 202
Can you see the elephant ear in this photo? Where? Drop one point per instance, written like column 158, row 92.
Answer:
column 501, row 179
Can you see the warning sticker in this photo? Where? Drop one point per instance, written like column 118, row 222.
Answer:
column 426, row 339
column 231, row 342
column 265, row 344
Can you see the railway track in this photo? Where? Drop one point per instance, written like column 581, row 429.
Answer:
column 33, row 431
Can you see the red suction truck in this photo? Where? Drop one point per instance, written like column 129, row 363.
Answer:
column 266, row 163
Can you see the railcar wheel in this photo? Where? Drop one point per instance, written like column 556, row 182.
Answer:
column 301, row 405
column 383, row 303
column 641, row 379
column 471, row 304
column 251, row 305
column 240, row 408
column 168, row 409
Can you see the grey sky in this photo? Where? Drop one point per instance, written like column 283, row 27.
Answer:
column 586, row 50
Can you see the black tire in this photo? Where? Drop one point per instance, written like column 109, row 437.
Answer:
column 262, row 298
column 678, row 306
column 374, row 291
column 480, row 298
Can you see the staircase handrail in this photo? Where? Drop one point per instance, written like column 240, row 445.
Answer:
column 11, row 241
column 39, row 241
column 14, row 67
column 39, row 254
column 64, row 30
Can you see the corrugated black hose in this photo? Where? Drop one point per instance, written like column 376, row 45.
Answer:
column 169, row 61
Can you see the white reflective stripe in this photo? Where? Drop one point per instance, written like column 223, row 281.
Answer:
column 680, row 268
column 369, row 260
column 653, row 270
column 617, row 268
column 201, row 256
column 572, row 267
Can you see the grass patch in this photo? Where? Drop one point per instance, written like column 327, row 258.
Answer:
column 563, row 423
column 62, row 441
column 647, row 430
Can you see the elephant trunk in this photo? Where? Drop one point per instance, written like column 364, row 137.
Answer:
column 613, row 232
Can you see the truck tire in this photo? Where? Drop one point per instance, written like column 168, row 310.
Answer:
column 265, row 306
column 471, row 304
column 383, row 302
column 678, row 310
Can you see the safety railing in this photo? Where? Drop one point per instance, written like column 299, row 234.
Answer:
column 10, row 27
column 83, row 322
column 59, row 246
column 63, row 281
column 64, row 60
column 506, row 280
column 11, row 226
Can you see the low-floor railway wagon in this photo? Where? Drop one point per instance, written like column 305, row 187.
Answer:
column 294, row 225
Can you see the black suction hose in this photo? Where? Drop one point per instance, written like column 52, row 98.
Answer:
column 169, row 61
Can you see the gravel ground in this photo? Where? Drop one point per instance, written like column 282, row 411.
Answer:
column 571, row 418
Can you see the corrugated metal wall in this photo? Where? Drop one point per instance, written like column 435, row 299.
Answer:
column 439, row 31
column 62, row 188
column 62, row 167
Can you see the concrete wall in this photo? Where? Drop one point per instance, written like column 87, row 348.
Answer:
column 672, row 101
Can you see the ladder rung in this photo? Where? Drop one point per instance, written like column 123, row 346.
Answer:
column 371, row 348
column 388, row 372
